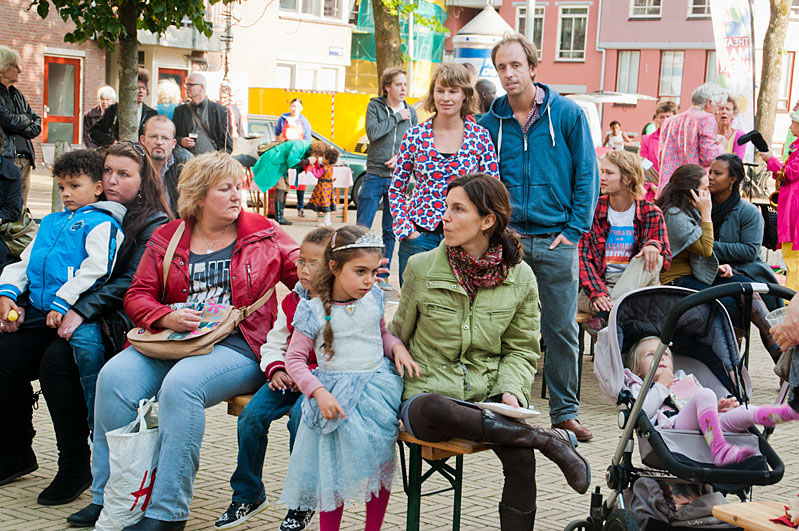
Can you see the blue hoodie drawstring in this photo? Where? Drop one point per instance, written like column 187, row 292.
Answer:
column 524, row 137
column 551, row 129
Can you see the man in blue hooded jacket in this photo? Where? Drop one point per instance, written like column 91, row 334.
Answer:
column 548, row 164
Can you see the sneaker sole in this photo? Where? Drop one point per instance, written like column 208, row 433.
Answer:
column 258, row 510
column 9, row 479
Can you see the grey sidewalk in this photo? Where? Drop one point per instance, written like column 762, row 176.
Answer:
column 557, row 503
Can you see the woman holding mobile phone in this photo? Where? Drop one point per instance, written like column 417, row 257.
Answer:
column 687, row 208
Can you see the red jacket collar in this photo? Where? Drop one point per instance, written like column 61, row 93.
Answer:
column 251, row 227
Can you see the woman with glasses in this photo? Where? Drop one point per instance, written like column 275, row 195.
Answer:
column 225, row 256
column 127, row 178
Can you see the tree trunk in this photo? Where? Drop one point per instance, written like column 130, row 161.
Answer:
column 128, row 69
column 771, row 72
column 388, row 44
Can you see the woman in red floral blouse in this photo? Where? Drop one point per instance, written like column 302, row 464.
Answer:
column 434, row 153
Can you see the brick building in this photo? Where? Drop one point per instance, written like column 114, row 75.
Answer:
column 59, row 79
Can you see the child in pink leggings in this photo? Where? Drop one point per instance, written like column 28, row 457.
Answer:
column 703, row 411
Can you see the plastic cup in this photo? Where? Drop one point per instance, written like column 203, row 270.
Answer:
column 776, row 317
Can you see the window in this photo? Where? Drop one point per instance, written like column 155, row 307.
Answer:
column 645, row 8
column 627, row 75
column 284, row 77
column 699, row 8
column 784, row 99
column 572, row 27
column 711, row 68
column 327, row 79
column 538, row 25
column 671, row 64
column 316, row 8
column 795, row 10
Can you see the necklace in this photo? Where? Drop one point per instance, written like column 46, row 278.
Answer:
column 210, row 246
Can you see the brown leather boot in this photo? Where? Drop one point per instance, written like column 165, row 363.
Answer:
column 512, row 519
column 555, row 444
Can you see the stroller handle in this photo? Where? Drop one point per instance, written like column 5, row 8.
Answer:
column 718, row 292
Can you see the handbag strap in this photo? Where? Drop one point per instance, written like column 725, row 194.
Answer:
column 254, row 307
column 170, row 253
column 202, row 123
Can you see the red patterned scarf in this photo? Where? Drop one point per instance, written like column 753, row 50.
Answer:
column 473, row 274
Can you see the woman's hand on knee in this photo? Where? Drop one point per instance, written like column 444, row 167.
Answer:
column 602, row 304
column 183, row 320
column 328, row 405
column 651, row 255
column 69, row 323
column 510, row 399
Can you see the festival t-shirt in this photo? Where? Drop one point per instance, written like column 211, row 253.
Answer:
column 620, row 240
column 210, row 282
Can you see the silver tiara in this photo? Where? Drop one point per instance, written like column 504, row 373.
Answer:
column 370, row 239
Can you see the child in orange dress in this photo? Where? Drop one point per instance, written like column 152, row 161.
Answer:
column 322, row 197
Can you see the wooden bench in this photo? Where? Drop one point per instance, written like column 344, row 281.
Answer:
column 582, row 318
column 435, row 454
column 755, row 516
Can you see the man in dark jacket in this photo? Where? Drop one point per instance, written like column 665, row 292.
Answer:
column 106, row 131
column 168, row 158
column 548, row 164
column 387, row 119
column 19, row 123
column 202, row 125
column 10, row 199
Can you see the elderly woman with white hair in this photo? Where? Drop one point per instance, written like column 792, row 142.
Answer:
column 169, row 97
column 691, row 137
column 19, row 123
column 106, row 97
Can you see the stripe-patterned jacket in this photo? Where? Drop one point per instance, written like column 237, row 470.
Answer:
column 72, row 253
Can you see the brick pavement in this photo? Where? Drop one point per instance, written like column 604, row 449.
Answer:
column 557, row 503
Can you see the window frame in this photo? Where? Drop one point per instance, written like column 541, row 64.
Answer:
column 320, row 12
column 793, row 10
column 559, row 51
column 637, row 70
column 540, row 13
column 708, row 55
column 661, row 94
column 649, row 5
column 692, row 6
column 784, row 104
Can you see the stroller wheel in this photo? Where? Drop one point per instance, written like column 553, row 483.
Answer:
column 621, row 520
column 579, row 525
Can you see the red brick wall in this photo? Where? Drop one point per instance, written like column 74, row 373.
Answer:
column 26, row 33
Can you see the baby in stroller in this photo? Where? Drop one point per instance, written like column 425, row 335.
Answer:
column 703, row 411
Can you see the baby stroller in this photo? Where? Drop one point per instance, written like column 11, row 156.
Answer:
column 699, row 332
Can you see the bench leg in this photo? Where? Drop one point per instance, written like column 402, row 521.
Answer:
column 457, row 492
column 414, row 490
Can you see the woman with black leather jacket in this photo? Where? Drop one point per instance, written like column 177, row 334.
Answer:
column 128, row 178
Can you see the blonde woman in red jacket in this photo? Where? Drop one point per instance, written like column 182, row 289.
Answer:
column 225, row 256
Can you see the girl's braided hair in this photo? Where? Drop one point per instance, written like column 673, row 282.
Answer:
column 324, row 278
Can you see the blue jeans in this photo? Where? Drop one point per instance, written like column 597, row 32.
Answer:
column 557, row 274
column 732, row 304
column 300, row 200
column 374, row 188
column 253, row 429
column 426, row 241
column 89, row 352
column 184, row 388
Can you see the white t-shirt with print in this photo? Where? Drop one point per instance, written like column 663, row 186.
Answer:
column 620, row 241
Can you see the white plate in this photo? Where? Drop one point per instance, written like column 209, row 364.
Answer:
column 508, row 411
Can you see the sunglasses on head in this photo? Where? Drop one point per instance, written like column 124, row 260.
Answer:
column 138, row 148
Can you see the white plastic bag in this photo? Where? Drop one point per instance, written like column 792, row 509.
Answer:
column 132, row 459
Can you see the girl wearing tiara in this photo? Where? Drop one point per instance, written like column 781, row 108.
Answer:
column 344, row 450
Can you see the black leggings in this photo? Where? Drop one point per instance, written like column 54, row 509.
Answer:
column 436, row 418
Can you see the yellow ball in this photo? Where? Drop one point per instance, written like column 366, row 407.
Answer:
column 12, row 316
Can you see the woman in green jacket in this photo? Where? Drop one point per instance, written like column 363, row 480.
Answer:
column 469, row 316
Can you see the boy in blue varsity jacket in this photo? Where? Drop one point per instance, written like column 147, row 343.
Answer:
column 73, row 252
column 273, row 401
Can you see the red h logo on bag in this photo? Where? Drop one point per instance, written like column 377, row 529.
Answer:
column 144, row 491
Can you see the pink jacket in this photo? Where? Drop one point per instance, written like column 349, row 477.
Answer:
column 687, row 138
column 788, row 204
column 649, row 148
